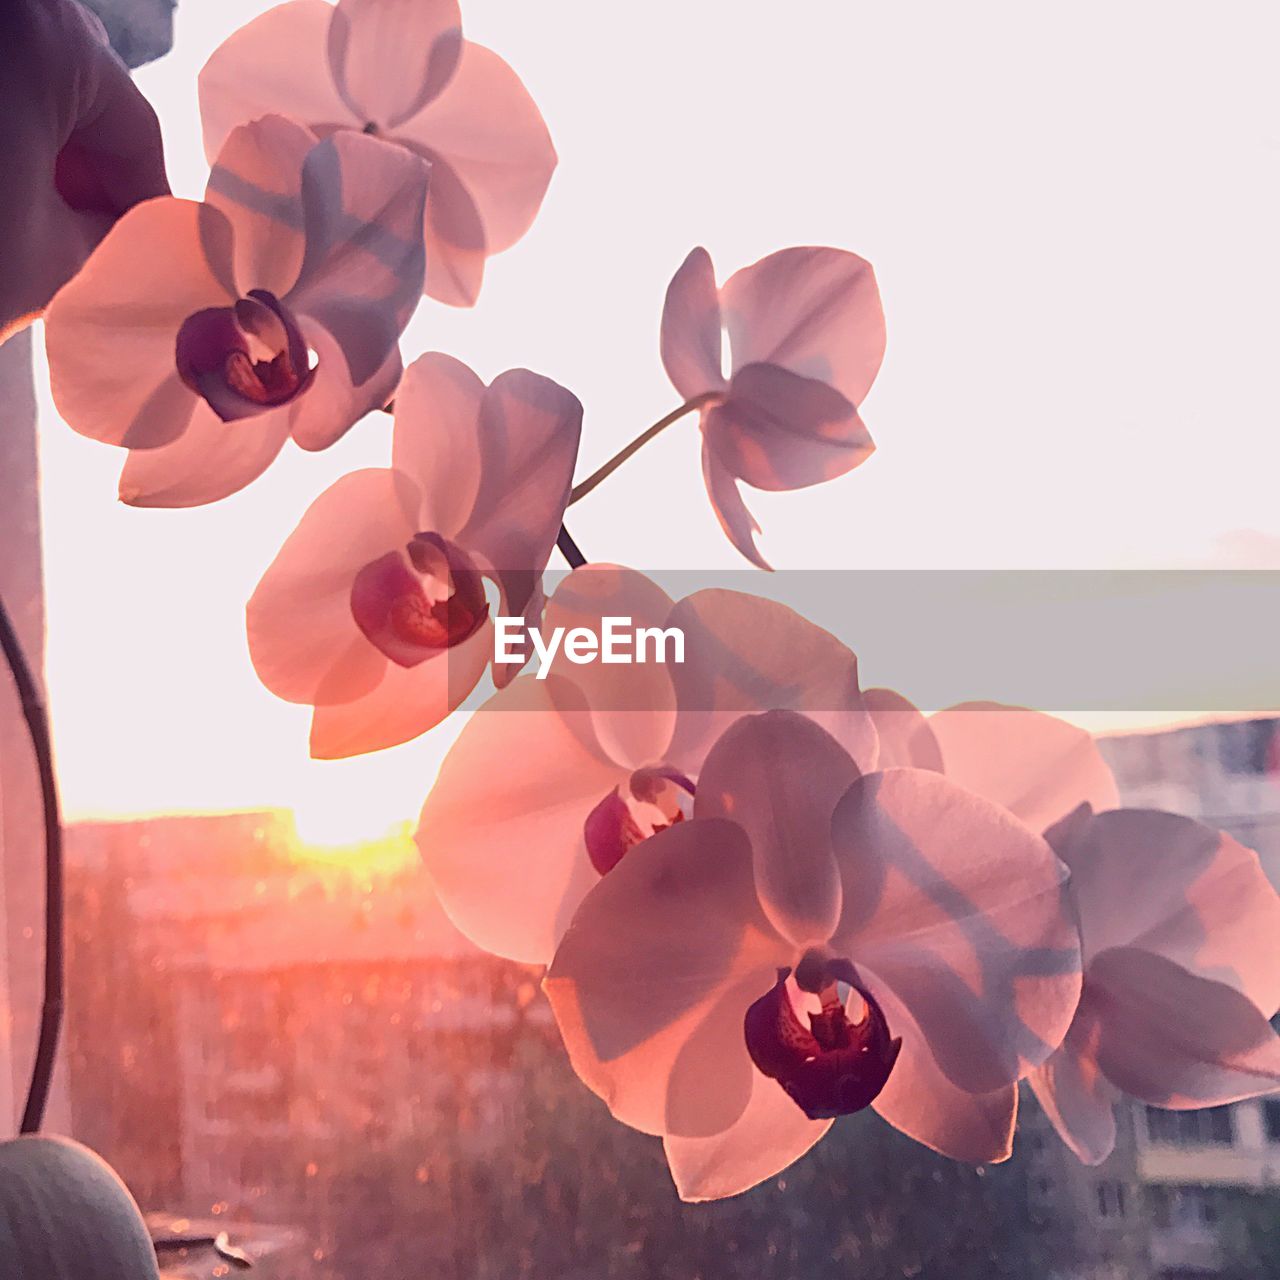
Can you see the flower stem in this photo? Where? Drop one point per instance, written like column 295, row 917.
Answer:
column 569, row 549
column 603, row 473
column 37, row 719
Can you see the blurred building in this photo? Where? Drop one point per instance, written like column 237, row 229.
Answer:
column 339, row 1017
column 1164, row 1205
column 1103, row 1211
column 250, row 1020
column 298, row 1042
column 1225, row 774
column 1194, row 1165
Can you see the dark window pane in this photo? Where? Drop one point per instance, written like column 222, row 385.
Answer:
column 1220, row 1127
column 1271, row 1118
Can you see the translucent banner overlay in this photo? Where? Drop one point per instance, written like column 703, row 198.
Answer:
column 1200, row 641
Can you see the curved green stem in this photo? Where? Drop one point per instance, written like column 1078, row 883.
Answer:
column 603, row 473
column 33, row 712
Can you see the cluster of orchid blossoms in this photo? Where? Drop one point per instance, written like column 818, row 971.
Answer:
column 764, row 897
column 767, row 899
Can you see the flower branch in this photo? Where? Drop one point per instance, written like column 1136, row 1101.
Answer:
column 580, row 491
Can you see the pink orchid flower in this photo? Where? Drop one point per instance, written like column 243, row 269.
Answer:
column 401, row 70
column 374, row 611
column 810, row 941
column 595, row 758
column 1180, row 928
column 1038, row 767
column 806, row 335
column 202, row 336
column 1181, row 943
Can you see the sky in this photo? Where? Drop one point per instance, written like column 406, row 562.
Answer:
column 1072, row 213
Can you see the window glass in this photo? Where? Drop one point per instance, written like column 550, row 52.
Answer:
column 1213, row 1125
column 1271, row 1119
column 275, row 1031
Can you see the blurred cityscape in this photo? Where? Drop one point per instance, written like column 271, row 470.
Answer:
column 294, row 1046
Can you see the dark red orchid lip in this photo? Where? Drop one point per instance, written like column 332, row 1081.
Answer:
column 246, row 358
column 392, row 606
column 832, row 1067
column 613, row 827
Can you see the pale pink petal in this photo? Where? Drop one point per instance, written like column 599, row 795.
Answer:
column 959, row 908
column 256, row 182
column 331, row 405
column 744, row 653
column 599, row 590
column 726, row 500
column 711, row 1078
column 303, row 640
column 1037, row 766
column 390, row 57
column 454, row 239
column 1176, row 887
column 655, row 948
column 905, row 738
column 1148, row 1027
column 778, row 430
column 275, row 65
column 920, row 1099
column 486, row 133
column 210, row 461
column 527, row 441
column 626, row 711
column 524, row 446
column 779, row 777
column 502, row 830
column 1077, row 1098
column 1177, row 1040
column 814, row 311
column 406, row 702
column 770, row 1135
column 361, row 278
column 691, row 328
column 111, row 331
column 436, row 439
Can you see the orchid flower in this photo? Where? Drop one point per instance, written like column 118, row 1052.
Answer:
column 594, row 759
column 399, row 69
column 1181, row 946
column 202, row 336
column 1180, row 928
column 374, row 611
column 810, row 941
column 1038, row 767
column 806, row 336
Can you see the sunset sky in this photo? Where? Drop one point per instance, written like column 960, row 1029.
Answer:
column 1072, row 212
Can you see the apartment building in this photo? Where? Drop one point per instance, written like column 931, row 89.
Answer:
column 1184, row 1175
column 255, row 1025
